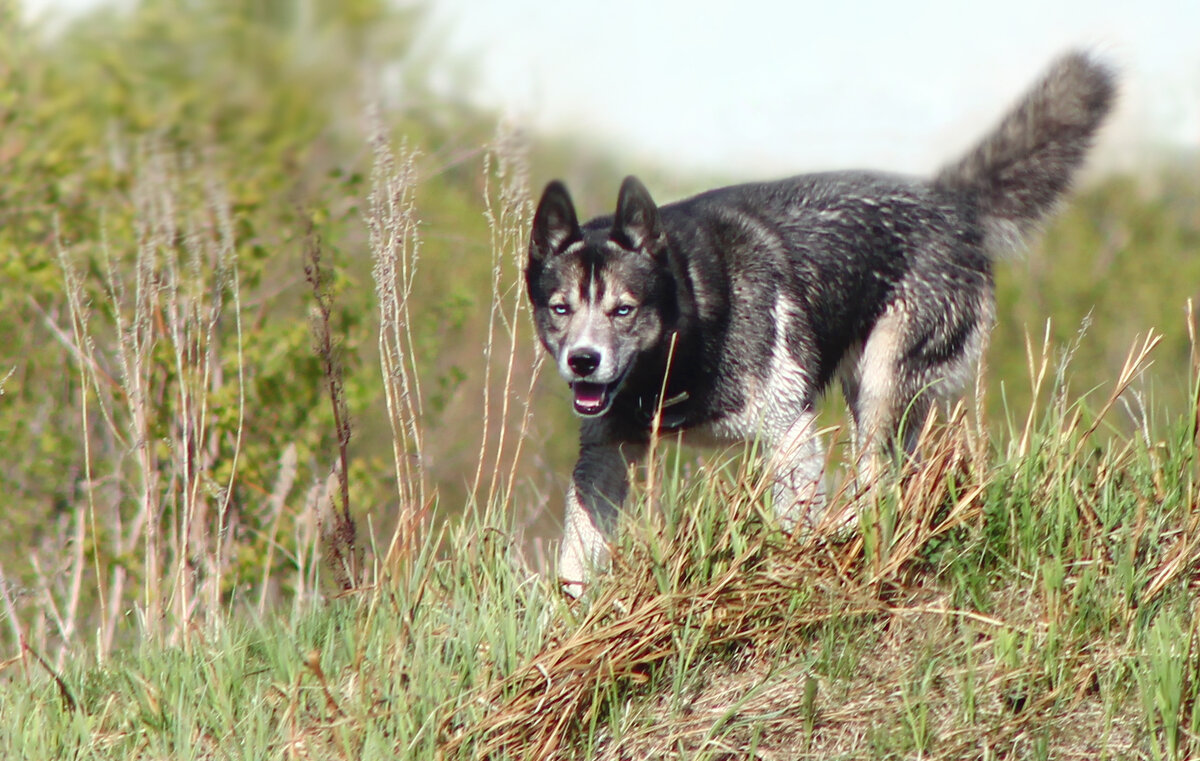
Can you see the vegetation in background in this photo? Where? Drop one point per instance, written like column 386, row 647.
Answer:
column 1121, row 259
column 279, row 459
column 167, row 166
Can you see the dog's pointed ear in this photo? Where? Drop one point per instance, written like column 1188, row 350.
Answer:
column 555, row 225
column 636, row 224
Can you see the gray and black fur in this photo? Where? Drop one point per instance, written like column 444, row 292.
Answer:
column 750, row 300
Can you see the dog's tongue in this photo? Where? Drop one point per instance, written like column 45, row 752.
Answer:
column 589, row 397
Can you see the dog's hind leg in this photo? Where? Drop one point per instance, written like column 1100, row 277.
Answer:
column 598, row 488
column 906, row 366
column 875, row 393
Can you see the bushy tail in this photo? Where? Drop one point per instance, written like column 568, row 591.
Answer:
column 1020, row 171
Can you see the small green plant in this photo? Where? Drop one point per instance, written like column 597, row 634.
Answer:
column 1168, row 682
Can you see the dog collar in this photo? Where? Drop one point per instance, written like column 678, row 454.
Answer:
column 669, row 419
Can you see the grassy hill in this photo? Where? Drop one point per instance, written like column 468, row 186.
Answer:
column 1033, row 598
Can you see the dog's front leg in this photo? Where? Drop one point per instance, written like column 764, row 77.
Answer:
column 598, row 488
column 798, row 465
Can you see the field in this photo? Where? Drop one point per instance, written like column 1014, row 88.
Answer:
column 283, row 468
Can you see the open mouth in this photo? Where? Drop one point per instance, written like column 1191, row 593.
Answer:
column 592, row 399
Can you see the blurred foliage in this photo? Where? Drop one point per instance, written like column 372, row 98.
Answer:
column 1121, row 259
column 262, row 104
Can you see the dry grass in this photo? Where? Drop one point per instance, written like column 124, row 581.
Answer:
column 151, row 368
column 726, row 653
column 395, row 248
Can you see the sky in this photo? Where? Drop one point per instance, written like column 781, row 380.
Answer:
column 754, row 87
column 762, row 86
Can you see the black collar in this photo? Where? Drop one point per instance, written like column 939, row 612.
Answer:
column 673, row 414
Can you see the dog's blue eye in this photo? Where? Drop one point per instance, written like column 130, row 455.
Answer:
column 560, row 309
column 623, row 311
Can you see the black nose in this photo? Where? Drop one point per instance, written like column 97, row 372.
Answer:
column 583, row 363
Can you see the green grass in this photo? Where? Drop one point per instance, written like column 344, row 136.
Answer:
column 366, row 675
column 1032, row 604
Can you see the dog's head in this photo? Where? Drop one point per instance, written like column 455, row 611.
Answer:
column 603, row 294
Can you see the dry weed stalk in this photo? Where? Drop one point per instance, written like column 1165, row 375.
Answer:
column 276, row 502
column 82, row 345
column 170, row 358
column 395, row 248
column 509, row 211
column 337, row 528
column 1194, row 344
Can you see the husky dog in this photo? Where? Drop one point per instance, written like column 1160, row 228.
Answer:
column 726, row 315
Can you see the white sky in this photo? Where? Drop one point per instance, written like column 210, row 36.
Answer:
column 776, row 87
column 756, row 86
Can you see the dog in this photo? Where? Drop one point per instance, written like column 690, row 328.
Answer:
column 725, row 316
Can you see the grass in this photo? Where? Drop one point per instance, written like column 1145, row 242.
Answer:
column 1032, row 598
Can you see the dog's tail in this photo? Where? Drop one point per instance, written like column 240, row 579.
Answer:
column 1020, row 171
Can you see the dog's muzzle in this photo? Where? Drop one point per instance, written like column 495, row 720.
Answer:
column 591, row 398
